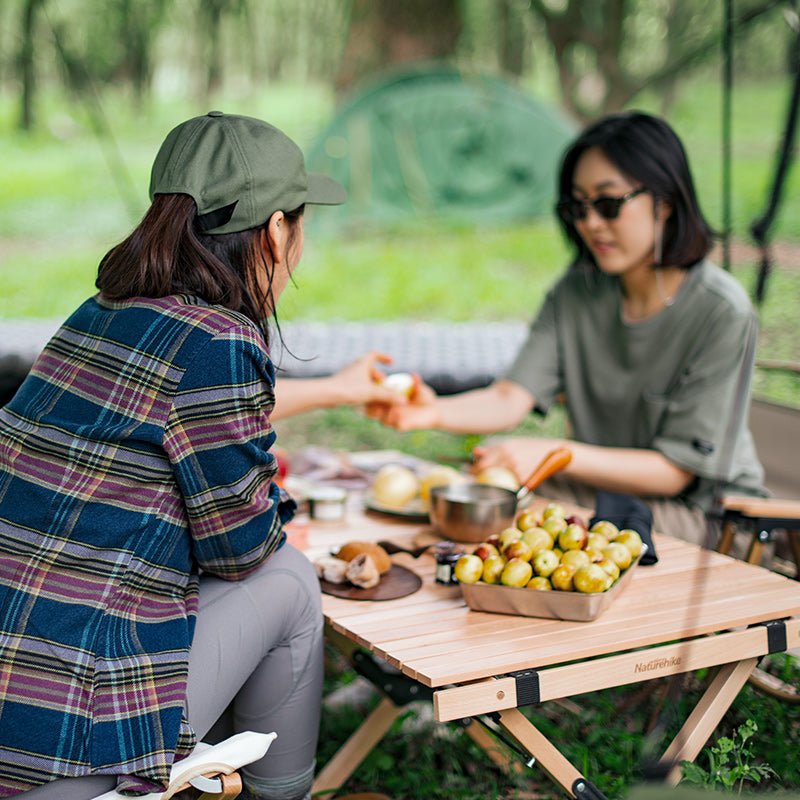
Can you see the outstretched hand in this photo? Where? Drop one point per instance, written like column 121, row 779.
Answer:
column 421, row 410
column 361, row 382
column 520, row 454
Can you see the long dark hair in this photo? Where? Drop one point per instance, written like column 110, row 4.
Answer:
column 649, row 152
column 166, row 254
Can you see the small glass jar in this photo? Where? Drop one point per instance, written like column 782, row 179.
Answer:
column 446, row 554
column 327, row 503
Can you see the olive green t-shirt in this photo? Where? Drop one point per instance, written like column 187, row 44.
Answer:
column 666, row 383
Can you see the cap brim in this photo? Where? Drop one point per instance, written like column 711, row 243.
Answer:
column 325, row 191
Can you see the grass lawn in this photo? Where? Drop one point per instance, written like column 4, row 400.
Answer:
column 602, row 734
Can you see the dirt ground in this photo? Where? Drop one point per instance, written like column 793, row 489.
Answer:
column 785, row 255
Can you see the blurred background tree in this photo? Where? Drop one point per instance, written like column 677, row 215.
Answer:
column 88, row 88
column 603, row 53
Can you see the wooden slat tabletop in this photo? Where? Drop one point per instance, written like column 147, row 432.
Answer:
column 433, row 637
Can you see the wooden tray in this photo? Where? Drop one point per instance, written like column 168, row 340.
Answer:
column 554, row 604
column 397, row 582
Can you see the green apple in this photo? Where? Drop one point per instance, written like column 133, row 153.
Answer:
column 554, row 525
column 553, row 510
column 631, row 539
column 540, row 584
column 493, row 568
column 576, row 558
column 572, row 538
column 561, row 577
column 538, row 539
column 516, row 573
column 484, row 550
column 507, row 536
column 526, row 520
column 591, row 579
column 596, row 541
column 544, row 562
column 469, row 569
column 610, row 567
column 518, row 549
column 619, row 554
column 605, row 528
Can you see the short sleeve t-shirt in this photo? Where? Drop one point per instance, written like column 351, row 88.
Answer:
column 666, row 383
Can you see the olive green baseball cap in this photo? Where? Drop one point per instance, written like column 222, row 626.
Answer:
column 239, row 170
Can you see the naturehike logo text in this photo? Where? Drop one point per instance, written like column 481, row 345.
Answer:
column 657, row 663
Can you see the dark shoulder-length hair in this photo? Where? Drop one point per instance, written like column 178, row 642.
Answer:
column 167, row 254
column 650, row 154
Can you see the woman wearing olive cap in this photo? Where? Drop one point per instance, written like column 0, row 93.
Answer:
column 136, row 456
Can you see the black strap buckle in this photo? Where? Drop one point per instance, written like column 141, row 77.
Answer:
column 776, row 635
column 527, row 685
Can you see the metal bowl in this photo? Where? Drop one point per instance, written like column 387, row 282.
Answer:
column 471, row 512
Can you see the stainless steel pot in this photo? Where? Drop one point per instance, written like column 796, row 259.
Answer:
column 471, row 512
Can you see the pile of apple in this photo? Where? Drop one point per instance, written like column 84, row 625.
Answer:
column 552, row 551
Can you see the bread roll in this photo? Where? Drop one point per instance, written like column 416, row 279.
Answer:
column 349, row 550
column 363, row 572
column 333, row 570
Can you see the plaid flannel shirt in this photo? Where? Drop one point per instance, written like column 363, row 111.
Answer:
column 136, row 453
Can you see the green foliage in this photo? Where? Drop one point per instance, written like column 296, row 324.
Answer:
column 603, row 734
column 730, row 763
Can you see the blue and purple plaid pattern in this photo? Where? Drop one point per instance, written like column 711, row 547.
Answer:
column 136, row 453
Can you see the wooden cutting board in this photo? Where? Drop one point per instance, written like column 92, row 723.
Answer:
column 397, row 582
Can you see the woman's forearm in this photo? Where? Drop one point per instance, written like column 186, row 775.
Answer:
column 629, row 470
column 499, row 407
column 297, row 395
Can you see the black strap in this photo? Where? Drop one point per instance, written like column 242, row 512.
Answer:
column 776, row 635
column 527, row 682
column 219, row 216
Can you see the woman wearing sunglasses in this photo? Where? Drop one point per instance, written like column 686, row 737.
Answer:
column 643, row 337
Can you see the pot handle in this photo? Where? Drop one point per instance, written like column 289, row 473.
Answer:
column 553, row 462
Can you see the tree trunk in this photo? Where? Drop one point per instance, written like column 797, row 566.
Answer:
column 385, row 33
column 27, row 70
column 511, row 39
column 212, row 17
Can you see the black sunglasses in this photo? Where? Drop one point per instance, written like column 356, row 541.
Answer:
column 574, row 209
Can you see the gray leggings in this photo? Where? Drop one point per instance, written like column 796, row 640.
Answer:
column 255, row 664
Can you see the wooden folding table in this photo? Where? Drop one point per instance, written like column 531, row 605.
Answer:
column 694, row 609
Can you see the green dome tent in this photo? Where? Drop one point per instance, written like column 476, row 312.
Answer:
column 436, row 141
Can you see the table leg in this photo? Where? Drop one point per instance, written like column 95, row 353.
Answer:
column 705, row 717
column 496, row 752
column 538, row 745
column 357, row 747
column 794, row 543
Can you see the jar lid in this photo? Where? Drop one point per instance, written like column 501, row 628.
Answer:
column 331, row 493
